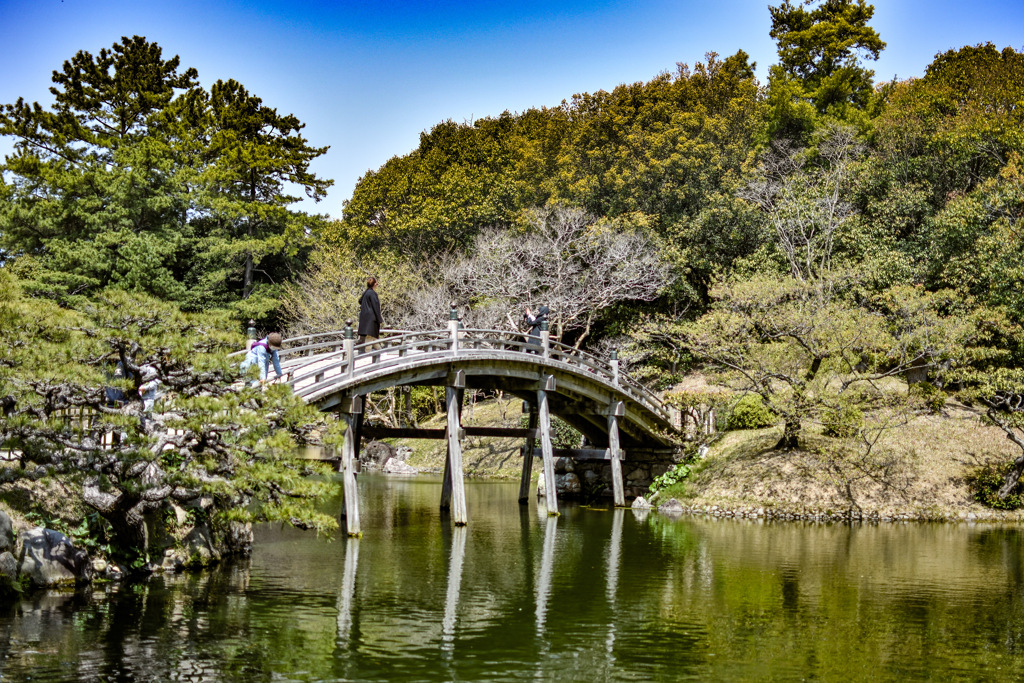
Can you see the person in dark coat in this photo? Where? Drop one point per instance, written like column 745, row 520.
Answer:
column 370, row 319
column 534, row 319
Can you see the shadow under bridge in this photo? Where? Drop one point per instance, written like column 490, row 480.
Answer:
column 621, row 419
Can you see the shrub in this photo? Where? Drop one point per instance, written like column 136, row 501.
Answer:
column 563, row 434
column 932, row 396
column 673, row 476
column 842, row 422
column 750, row 412
column 985, row 481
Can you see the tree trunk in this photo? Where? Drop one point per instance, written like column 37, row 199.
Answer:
column 124, row 514
column 790, row 436
column 247, row 278
column 1012, row 477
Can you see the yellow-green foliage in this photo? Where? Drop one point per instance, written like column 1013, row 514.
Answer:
column 750, row 412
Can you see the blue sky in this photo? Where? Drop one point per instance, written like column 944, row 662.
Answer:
column 368, row 77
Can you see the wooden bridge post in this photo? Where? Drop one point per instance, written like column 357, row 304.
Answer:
column 617, row 410
column 453, row 490
column 614, row 362
column 350, row 411
column 544, row 424
column 350, row 348
column 524, row 482
column 545, row 338
column 453, row 328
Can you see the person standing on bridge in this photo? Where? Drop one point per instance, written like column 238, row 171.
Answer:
column 370, row 320
column 534, row 320
column 262, row 354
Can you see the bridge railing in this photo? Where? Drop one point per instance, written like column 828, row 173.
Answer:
column 321, row 360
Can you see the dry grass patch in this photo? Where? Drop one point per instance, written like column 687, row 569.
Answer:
column 917, row 469
column 481, row 456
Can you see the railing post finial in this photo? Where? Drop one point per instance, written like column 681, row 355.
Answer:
column 250, row 334
column 453, row 327
column 350, row 348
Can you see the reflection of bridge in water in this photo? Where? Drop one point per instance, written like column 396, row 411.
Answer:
column 618, row 416
column 542, row 571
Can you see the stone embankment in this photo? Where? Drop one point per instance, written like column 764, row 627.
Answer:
column 41, row 557
column 45, row 558
column 675, row 508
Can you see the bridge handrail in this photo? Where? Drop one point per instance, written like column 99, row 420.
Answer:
column 392, row 344
column 603, row 364
column 290, row 342
column 431, row 343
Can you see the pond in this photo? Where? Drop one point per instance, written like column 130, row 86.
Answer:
column 592, row 595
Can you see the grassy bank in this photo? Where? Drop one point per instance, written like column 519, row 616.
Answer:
column 917, row 471
column 481, row 456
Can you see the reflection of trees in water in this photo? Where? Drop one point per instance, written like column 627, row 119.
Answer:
column 592, row 594
column 861, row 601
column 147, row 631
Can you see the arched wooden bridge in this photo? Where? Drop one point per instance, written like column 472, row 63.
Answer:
column 617, row 415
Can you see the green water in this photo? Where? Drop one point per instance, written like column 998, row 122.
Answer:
column 593, row 595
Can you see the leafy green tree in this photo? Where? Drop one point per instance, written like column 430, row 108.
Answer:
column 812, row 352
column 809, row 341
column 659, row 152
column 821, row 43
column 218, row 447
column 936, row 140
column 253, row 157
column 96, row 193
column 139, row 179
column 437, row 198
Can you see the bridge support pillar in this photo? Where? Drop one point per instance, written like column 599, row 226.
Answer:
column 615, row 453
column 453, row 491
column 351, row 413
column 524, row 482
column 544, row 425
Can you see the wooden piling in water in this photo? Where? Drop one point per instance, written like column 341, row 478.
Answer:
column 544, row 425
column 453, row 490
column 524, row 481
column 350, row 413
column 618, row 490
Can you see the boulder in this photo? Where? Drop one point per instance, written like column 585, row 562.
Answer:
column 200, row 549
column 564, row 483
column 239, row 538
column 640, row 503
column 402, row 453
column 395, row 466
column 174, row 560
column 8, row 566
column 671, row 507
column 376, row 454
column 6, row 532
column 49, row 559
column 567, row 483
